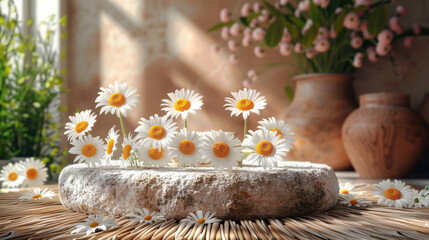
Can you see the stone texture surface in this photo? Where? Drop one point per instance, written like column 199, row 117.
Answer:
column 247, row 193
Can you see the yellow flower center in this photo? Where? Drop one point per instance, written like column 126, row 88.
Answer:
column 89, row 150
column 201, row 221
column 353, row 201
column 109, row 148
column 392, row 194
column 148, row 217
column 32, row 173
column 12, row 176
column 157, row 132
column 344, row 191
column 278, row 132
column 81, row 126
column 155, row 154
column 221, row 150
column 93, row 224
column 182, row 105
column 186, row 147
column 37, row 196
column 245, row 104
column 126, row 152
column 264, row 148
column 116, row 100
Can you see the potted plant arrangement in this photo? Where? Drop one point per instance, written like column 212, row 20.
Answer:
column 329, row 39
column 30, row 87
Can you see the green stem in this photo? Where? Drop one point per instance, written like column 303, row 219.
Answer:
column 122, row 125
column 186, row 123
column 245, row 129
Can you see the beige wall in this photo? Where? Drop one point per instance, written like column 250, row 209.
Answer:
column 161, row 45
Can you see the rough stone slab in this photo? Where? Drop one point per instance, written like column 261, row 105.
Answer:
column 247, row 193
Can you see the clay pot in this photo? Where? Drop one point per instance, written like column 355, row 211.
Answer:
column 384, row 138
column 321, row 104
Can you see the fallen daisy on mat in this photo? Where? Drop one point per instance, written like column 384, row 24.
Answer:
column 200, row 218
column 37, row 194
column 352, row 201
column 419, row 199
column 94, row 223
column 144, row 216
column 346, row 188
column 394, row 193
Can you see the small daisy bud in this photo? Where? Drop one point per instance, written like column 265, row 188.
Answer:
column 401, row 10
column 324, row 3
column 252, row 75
column 297, row 13
column 382, row 49
column 256, row 7
column 246, row 83
column 298, row 48
column 351, row 21
column 285, row 49
column 247, row 41
column 235, row 29
column 338, row 10
column 357, row 61
column 259, row 52
column 225, row 33
column 304, row 5
column 372, row 55
column 264, row 16
column 225, row 16
column 258, row 34
column 385, row 37
column 323, row 33
column 215, row 48
column 283, row 2
column 245, row 9
column 332, row 33
column 322, row 45
column 408, row 42
column 416, row 28
column 232, row 45
column 356, row 42
column 233, row 59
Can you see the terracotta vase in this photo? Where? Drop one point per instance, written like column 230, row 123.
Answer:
column 321, row 104
column 384, row 138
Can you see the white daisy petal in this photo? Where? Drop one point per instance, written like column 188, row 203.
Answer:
column 80, row 124
column 88, row 149
column 346, row 188
column 245, row 101
column 34, row 171
column 199, row 218
column 117, row 98
column 37, row 194
column 129, row 148
column 151, row 156
column 419, row 199
column 394, row 193
column 182, row 102
column 111, row 140
column 186, row 146
column 144, row 216
column 10, row 177
column 352, row 201
column 156, row 131
column 280, row 127
column 94, row 223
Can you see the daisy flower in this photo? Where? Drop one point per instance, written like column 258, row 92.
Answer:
column 94, row 223
column 245, row 101
column 222, row 149
column 80, row 124
column 346, row 188
column 111, row 140
column 88, row 149
column 144, row 216
column 129, row 147
column 280, row 127
column 117, row 98
column 186, row 147
column 181, row 103
column 266, row 148
column 35, row 172
column 37, row 194
column 419, row 199
column 156, row 131
column 352, row 201
column 9, row 176
column 151, row 156
column 200, row 219
column 394, row 193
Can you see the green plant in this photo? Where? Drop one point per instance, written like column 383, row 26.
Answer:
column 30, row 86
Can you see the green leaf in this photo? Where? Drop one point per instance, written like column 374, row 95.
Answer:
column 298, row 22
column 63, row 21
column 339, row 22
column 310, row 35
column 315, row 13
column 289, row 93
column 292, row 30
column 274, row 33
column 377, row 21
column 220, row 25
column 274, row 11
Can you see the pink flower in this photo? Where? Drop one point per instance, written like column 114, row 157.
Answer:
column 401, row 10
column 283, row 2
column 310, row 53
column 351, row 21
column 285, row 49
column 304, row 5
column 258, row 34
column 259, row 52
column 256, row 7
column 233, row 59
column 297, row 13
column 357, row 61
column 363, row 2
column 235, row 29
column 286, row 38
column 277, row 5
column 225, row 16
column 252, row 75
column 253, row 23
column 245, row 9
column 298, row 48
column 317, row 2
column 356, row 42
column 264, row 16
column 215, row 48
column 416, row 28
column 364, row 26
column 385, row 37
column 232, row 45
column 372, row 55
column 408, row 41
column 307, row 26
column 247, row 41
column 322, row 45
column 367, row 35
column 338, row 10
column 332, row 33
column 324, row 3
column 323, row 33
column 246, row 83
column 395, row 25
column 382, row 49
column 225, row 33
column 248, row 32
